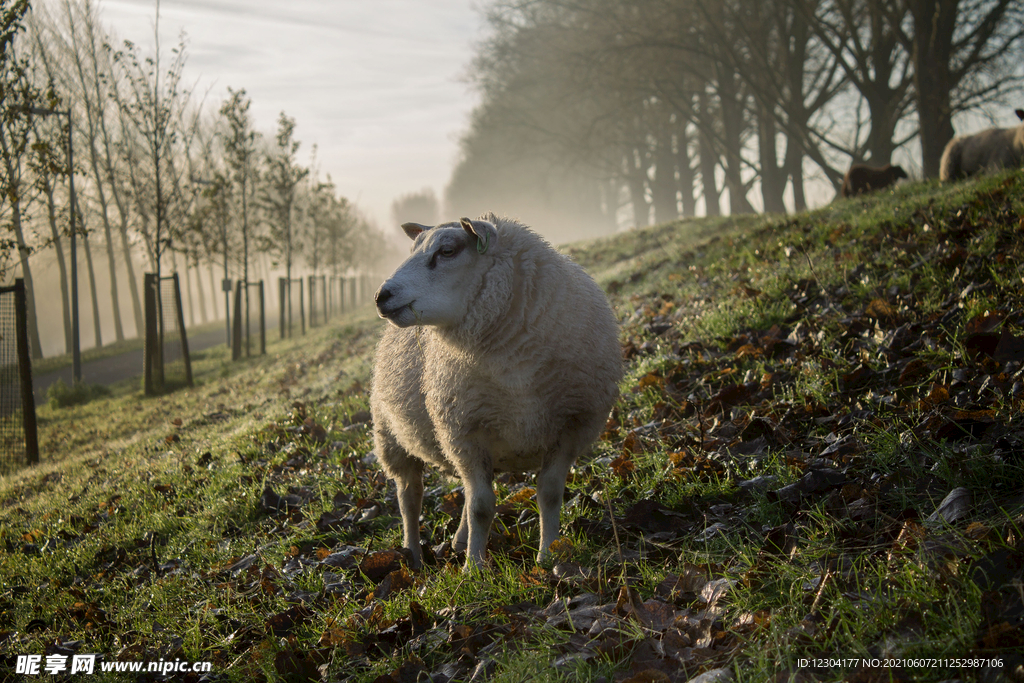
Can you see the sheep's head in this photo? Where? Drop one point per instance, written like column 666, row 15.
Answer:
column 437, row 282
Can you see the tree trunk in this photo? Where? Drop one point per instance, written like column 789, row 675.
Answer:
column 26, row 274
column 731, row 102
column 708, row 157
column 30, row 297
column 269, row 300
column 133, row 285
column 664, row 187
column 795, row 170
column 98, row 331
column 686, row 171
column 611, row 192
column 101, row 195
column 637, row 190
column 200, row 294
column 709, row 185
column 182, row 275
column 773, row 178
column 108, row 241
column 934, row 23
column 885, row 103
column 880, row 138
column 188, row 295
column 215, row 291
column 936, row 123
column 58, row 247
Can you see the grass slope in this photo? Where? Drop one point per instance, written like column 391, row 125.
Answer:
column 816, row 459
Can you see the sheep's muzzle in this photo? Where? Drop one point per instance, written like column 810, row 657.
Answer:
column 388, row 308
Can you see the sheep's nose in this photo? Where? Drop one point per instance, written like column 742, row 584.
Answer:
column 382, row 295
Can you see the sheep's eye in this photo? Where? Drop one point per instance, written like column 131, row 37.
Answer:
column 447, row 252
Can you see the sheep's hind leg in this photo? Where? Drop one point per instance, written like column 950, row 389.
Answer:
column 462, row 533
column 550, row 488
column 477, row 513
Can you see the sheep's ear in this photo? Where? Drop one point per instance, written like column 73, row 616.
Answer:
column 484, row 232
column 413, row 230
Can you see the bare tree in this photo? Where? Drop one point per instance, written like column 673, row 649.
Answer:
column 963, row 54
column 862, row 36
column 101, row 92
column 47, row 163
column 17, row 96
column 211, row 218
column 51, row 63
column 240, row 155
column 657, row 92
column 792, row 79
column 77, row 35
column 151, row 115
column 278, row 193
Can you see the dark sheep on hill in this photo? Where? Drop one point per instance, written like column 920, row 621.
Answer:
column 862, row 178
column 989, row 150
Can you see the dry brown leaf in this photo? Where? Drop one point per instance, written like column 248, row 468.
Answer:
column 623, row 465
column 376, row 566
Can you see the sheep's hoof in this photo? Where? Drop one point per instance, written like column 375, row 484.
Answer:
column 545, row 560
column 413, row 560
column 473, row 565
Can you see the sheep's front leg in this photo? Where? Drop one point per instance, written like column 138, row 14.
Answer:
column 410, row 504
column 550, row 488
column 407, row 473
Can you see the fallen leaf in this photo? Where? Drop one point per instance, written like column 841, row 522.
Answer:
column 282, row 623
column 879, row 309
column 376, row 566
column 953, row 507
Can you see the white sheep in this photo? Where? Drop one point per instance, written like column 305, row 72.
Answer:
column 502, row 355
column 988, row 150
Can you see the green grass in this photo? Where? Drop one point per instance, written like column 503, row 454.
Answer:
column 801, row 395
column 60, row 395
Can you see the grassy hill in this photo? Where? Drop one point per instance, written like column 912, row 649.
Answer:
column 815, row 467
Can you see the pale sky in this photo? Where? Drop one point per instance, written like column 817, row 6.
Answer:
column 377, row 85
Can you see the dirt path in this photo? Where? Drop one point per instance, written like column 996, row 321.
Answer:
column 116, row 368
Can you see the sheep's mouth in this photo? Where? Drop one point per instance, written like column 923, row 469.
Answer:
column 402, row 316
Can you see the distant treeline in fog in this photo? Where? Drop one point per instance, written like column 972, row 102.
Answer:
column 610, row 112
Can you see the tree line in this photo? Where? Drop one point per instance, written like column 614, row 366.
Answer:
column 160, row 178
column 667, row 107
